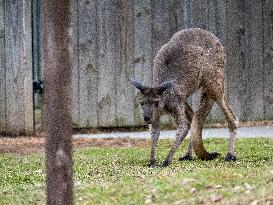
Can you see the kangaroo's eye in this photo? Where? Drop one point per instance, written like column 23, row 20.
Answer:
column 141, row 103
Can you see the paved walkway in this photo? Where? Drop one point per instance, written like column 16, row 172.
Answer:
column 259, row 131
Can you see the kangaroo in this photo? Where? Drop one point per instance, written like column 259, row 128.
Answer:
column 193, row 59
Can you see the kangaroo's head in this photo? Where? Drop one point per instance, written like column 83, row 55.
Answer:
column 151, row 99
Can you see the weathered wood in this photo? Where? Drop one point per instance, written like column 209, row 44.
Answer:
column 143, row 50
column 124, row 70
column 2, row 69
column 268, row 58
column 18, row 47
column 217, row 25
column 254, row 106
column 199, row 14
column 107, row 62
column 160, row 28
column 88, row 65
column 74, row 61
column 176, row 16
column 236, row 57
column 217, row 19
column 55, row 45
column 36, row 9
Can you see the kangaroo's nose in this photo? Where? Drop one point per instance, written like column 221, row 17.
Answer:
column 146, row 119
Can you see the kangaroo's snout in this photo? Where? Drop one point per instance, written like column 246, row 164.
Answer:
column 147, row 119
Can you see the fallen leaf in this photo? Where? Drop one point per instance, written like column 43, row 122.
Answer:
column 216, row 198
column 187, row 181
column 178, row 202
column 149, row 199
column 239, row 175
column 210, row 187
column 237, row 188
column 218, row 186
column 254, row 202
column 248, row 186
column 247, row 192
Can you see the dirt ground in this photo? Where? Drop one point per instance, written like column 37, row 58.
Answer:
column 35, row 144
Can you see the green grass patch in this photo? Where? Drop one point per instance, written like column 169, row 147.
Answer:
column 120, row 176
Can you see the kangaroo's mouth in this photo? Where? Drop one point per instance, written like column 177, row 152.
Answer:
column 148, row 121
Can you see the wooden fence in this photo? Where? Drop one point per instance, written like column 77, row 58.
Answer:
column 16, row 107
column 114, row 40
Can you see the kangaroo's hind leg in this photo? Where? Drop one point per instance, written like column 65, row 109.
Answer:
column 199, row 116
column 232, row 125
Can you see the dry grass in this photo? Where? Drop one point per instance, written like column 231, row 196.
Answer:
column 35, row 144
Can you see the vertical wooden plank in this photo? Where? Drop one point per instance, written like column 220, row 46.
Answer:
column 199, row 14
column 26, row 64
column 2, row 69
column 161, row 28
column 268, row 58
column 176, row 16
column 107, row 38
column 143, row 41
column 88, row 66
column 74, row 61
column 36, row 10
column 236, row 56
column 217, row 19
column 217, row 25
column 143, row 51
column 186, row 13
column 124, row 70
column 254, row 107
column 18, row 44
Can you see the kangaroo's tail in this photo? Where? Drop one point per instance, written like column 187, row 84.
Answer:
column 197, row 142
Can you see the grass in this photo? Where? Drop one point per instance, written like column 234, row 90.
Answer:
column 119, row 176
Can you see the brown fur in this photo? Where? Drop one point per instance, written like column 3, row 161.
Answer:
column 195, row 58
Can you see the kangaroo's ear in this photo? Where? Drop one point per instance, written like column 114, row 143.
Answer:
column 164, row 86
column 137, row 84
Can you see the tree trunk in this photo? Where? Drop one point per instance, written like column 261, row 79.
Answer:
column 55, row 42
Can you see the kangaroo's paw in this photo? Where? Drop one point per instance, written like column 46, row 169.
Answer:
column 166, row 163
column 230, row 157
column 213, row 155
column 152, row 163
column 186, row 157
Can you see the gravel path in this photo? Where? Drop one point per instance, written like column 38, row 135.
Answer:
column 259, row 131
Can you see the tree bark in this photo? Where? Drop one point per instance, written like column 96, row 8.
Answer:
column 55, row 48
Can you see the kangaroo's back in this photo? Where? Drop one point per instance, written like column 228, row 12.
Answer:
column 192, row 56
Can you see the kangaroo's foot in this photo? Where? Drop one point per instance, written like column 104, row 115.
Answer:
column 186, row 157
column 166, row 163
column 230, row 157
column 152, row 163
column 211, row 156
